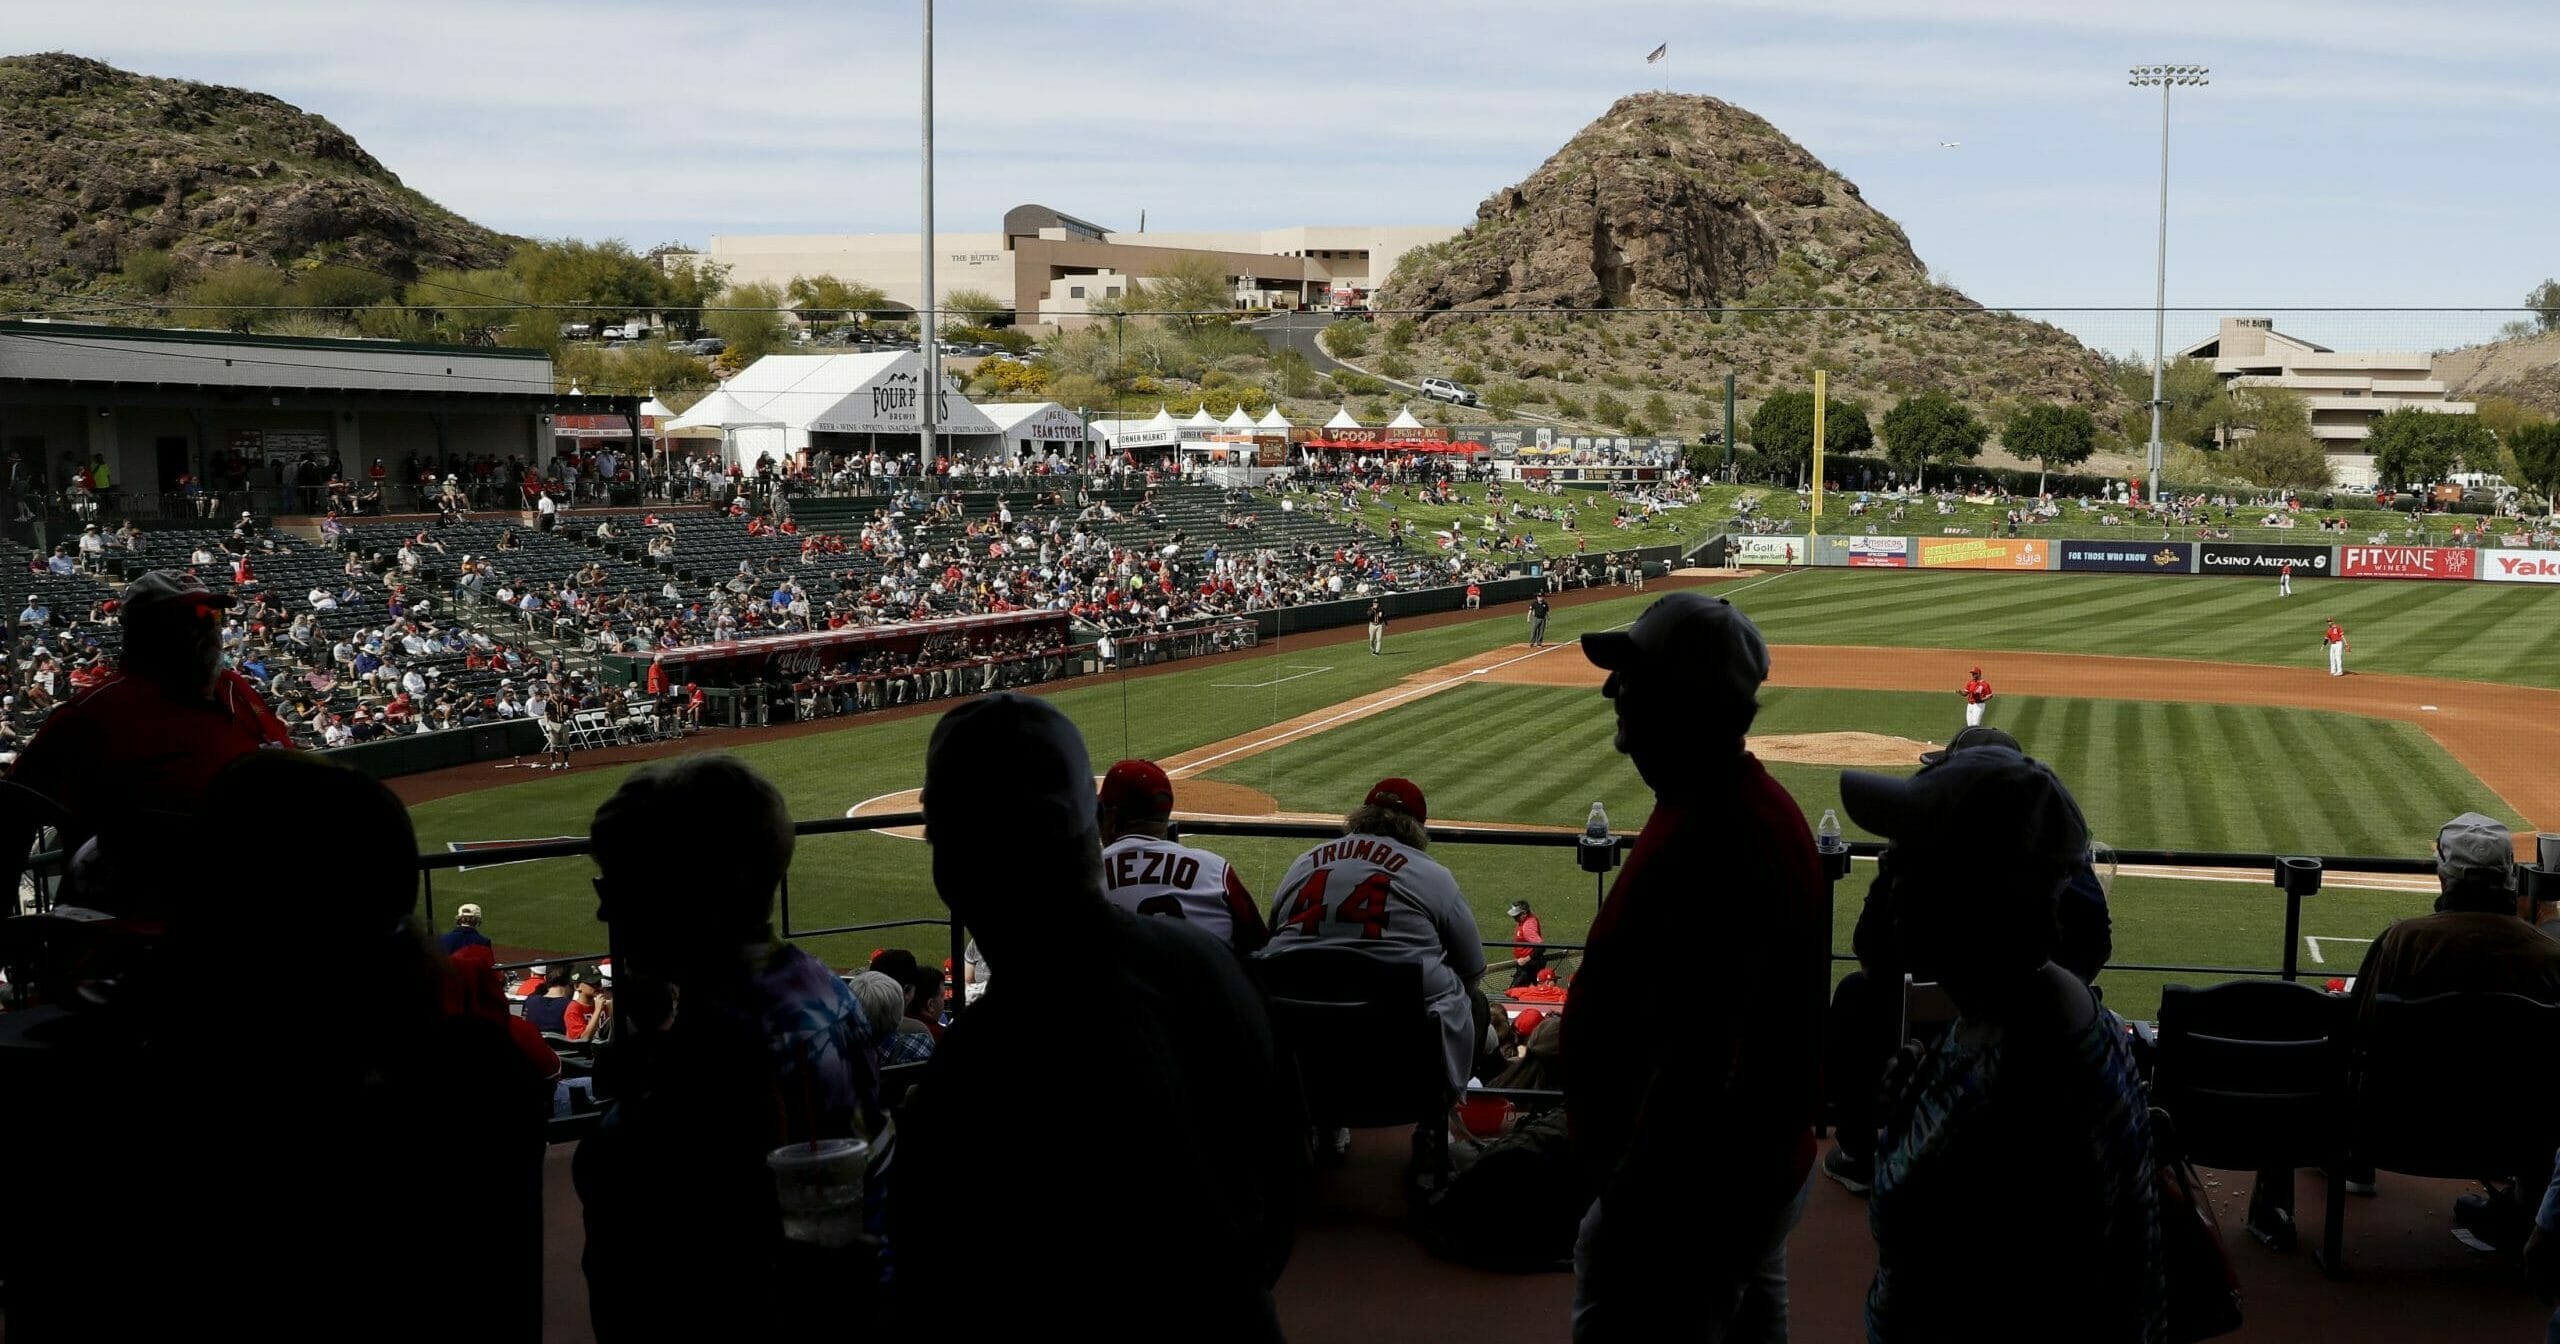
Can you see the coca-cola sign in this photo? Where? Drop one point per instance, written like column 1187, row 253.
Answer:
column 2405, row 562
column 2520, row 566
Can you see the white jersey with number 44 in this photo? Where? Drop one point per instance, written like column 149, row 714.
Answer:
column 1148, row 876
column 1388, row 900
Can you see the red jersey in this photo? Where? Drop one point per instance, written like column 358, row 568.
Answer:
column 125, row 744
column 2334, row 635
column 1529, row 935
column 1977, row 691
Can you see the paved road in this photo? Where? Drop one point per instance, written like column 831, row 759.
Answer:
column 1298, row 331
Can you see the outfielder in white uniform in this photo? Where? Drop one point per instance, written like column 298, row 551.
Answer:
column 1145, row 873
column 1377, row 891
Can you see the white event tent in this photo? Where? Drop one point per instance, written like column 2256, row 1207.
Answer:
column 1342, row 419
column 864, row 402
column 1404, row 420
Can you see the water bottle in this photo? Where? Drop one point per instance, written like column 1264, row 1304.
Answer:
column 1826, row 833
column 1598, row 851
column 1596, row 829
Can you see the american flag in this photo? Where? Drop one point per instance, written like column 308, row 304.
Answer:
column 1658, row 53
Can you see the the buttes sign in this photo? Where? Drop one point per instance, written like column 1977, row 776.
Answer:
column 2405, row 562
column 2520, row 566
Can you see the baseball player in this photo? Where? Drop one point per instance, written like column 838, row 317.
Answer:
column 1376, row 891
column 2336, row 638
column 1538, row 621
column 1977, row 693
column 2284, row 579
column 1377, row 627
column 1145, row 873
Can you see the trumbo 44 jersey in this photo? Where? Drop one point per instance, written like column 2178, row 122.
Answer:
column 1148, row 876
column 1389, row 900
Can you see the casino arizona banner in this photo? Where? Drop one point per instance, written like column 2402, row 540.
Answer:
column 2405, row 562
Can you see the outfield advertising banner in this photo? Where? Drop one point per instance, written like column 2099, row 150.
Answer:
column 1770, row 550
column 1880, row 552
column 2520, row 566
column 2127, row 557
column 1982, row 553
column 2405, row 562
column 2229, row 557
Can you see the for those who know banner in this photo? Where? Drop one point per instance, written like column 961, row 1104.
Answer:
column 2127, row 557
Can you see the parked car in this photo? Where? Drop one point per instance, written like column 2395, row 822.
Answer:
column 705, row 346
column 1441, row 389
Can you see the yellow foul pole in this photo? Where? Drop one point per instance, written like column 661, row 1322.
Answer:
column 1821, row 397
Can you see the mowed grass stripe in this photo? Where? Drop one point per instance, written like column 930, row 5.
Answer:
column 2252, row 749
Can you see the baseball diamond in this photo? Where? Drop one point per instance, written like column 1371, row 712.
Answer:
column 2226, row 734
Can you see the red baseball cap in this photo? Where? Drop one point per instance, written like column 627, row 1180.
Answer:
column 1137, row 782
column 1527, row 1023
column 1403, row 795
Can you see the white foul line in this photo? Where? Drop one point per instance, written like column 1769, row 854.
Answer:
column 2316, row 942
column 1362, row 711
column 1261, row 685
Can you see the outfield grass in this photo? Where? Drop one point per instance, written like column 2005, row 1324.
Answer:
column 2506, row 632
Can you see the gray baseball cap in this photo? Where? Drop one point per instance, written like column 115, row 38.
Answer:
column 2475, row 843
column 1992, row 799
column 1689, row 636
column 1980, row 735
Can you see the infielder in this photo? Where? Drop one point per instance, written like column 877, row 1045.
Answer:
column 1977, row 693
column 1538, row 620
column 1376, row 891
column 2336, row 638
column 2284, row 579
column 1146, row 873
column 1377, row 627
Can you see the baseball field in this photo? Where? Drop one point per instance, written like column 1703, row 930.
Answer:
column 2187, row 713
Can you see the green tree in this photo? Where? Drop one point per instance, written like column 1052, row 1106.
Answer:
column 392, row 320
column 971, row 308
column 2537, row 452
column 1402, row 333
column 2544, row 300
column 824, row 298
column 1931, row 427
column 1188, row 292
column 1657, row 411
column 606, row 279
column 340, row 290
column 152, row 270
column 1608, row 409
column 2413, row 447
column 689, row 286
column 1502, row 397
column 2505, row 415
column 749, row 319
column 1292, row 374
column 1782, row 430
column 2051, row 435
column 240, row 296
column 2280, row 457
column 1346, row 340
column 2187, row 386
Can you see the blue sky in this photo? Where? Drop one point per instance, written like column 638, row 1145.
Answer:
column 2347, row 154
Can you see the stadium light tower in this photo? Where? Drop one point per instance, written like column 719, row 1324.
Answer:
column 2166, row 77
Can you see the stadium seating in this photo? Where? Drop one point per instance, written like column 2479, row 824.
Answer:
column 1367, row 1049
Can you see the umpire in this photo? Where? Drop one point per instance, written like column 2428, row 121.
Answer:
column 1538, row 620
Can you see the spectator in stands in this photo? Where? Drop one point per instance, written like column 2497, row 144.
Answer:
column 465, row 931
column 1182, row 1096
column 1529, row 948
column 1540, row 1066
column 2035, row 1076
column 2481, row 939
column 425, row 1094
column 731, row 1043
column 1145, row 873
column 1355, row 892
column 535, row 976
column 473, row 988
column 549, row 1010
column 1865, row 1019
column 884, row 1004
column 147, row 740
column 586, row 1005
column 1695, row 1120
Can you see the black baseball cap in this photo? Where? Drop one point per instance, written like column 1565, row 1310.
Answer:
column 164, row 588
column 1993, row 799
column 1692, row 636
column 1979, row 735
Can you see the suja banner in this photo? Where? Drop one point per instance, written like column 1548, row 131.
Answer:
column 2123, row 557
column 2520, row 566
column 2406, row 562
column 1983, row 553
column 2240, row 557
column 1769, row 550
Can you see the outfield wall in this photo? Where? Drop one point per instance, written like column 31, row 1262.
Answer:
column 2130, row 555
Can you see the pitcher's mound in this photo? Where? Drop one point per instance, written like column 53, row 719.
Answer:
column 1860, row 749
